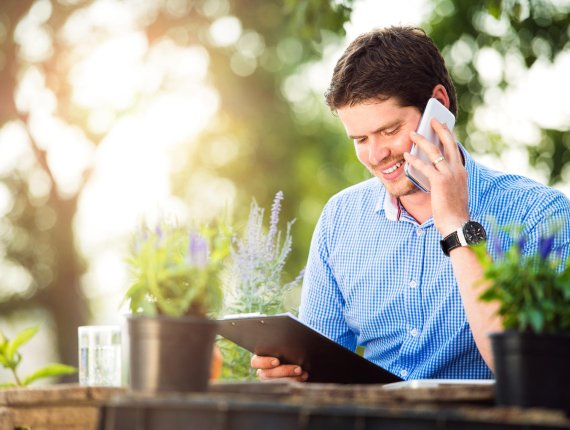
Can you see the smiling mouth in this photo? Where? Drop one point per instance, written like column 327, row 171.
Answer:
column 393, row 168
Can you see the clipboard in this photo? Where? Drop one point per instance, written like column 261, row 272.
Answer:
column 285, row 337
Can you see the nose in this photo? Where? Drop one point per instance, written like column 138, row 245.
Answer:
column 377, row 152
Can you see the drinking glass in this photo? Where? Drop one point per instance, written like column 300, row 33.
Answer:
column 100, row 355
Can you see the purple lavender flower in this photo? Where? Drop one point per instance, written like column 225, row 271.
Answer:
column 197, row 250
column 497, row 246
column 545, row 245
column 159, row 234
column 139, row 239
column 258, row 260
column 521, row 242
column 275, row 209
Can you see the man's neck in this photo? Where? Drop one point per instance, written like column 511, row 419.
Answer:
column 418, row 205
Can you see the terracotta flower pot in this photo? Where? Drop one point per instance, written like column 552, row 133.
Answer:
column 217, row 363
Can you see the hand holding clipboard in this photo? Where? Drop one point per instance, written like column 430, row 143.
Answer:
column 292, row 342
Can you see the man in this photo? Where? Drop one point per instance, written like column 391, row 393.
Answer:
column 376, row 275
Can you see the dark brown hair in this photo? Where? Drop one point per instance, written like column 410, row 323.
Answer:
column 399, row 62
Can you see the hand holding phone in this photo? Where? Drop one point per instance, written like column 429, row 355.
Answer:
column 434, row 109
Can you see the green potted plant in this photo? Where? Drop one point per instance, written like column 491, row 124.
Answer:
column 175, row 293
column 531, row 355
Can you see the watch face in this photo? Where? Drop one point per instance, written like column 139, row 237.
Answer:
column 474, row 232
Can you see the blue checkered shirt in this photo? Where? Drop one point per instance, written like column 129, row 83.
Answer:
column 376, row 278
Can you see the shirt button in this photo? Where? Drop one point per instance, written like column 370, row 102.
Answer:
column 419, row 232
column 414, row 332
column 413, row 284
column 403, row 373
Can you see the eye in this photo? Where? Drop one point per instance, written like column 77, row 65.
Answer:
column 360, row 140
column 391, row 132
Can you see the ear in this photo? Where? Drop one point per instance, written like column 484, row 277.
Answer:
column 440, row 93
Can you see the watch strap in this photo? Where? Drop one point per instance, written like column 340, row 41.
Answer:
column 475, row 233
column 461, row 236
column 452, row 241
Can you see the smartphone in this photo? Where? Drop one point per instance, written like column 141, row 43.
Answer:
column 434, row 109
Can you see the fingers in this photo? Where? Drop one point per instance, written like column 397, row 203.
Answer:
column 289, row 372
column 431, row 151
column 447, row 139
column 269, row 368
column 448, row 148
column 442, row 158
column 447, row 177
column 258, row 362
column 426, row 169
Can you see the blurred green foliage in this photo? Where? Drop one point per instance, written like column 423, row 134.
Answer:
column 11, row 357
column 521, row 33
column 286, row 137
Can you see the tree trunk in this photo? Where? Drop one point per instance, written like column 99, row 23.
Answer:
column 64, row 298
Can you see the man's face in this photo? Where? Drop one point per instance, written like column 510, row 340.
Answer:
column 380, row 131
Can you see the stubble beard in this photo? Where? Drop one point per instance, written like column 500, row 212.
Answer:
column 400, row 188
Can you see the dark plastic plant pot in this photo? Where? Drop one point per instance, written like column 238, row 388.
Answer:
column 532, row 370
column 170, row 354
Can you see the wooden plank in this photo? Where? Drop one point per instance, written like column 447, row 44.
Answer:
column 54, row 407
column 217, row 406
column 5, row 421
column 38, row 395
column 61, row 393
column 55, row 418
column 517, row 415
column 372, row 394
column 378, row 394
column 102, row 394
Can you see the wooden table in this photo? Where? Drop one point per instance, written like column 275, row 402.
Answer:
column 54, row 407
column 296, row 406
column 273, row 406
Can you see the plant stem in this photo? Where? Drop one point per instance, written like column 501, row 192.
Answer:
column 18, row 382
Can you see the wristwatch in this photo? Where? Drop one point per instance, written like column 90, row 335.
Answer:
column 470, row 233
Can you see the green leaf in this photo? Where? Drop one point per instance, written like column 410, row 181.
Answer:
column 536, row 320
column 8, row 385
column 5, row 363
column 50, row 370
column 145, row 308
column 20, row 339
column 3, row 341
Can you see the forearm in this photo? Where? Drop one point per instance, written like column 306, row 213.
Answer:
column 481, row 316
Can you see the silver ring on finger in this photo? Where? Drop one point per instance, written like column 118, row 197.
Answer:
column 437, row 160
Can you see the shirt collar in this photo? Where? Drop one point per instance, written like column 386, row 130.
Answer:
column 474, row 185
column 391, row 206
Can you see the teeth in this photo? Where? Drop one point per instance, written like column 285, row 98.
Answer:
column 393, row 168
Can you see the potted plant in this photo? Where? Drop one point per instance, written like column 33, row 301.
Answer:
column 532, row 354
column 176, row 291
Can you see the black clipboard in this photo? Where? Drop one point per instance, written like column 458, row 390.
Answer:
column 285, row 337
